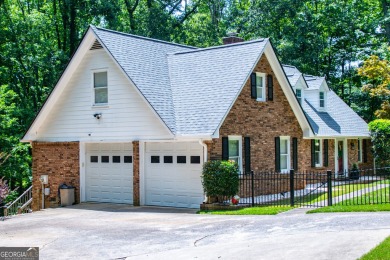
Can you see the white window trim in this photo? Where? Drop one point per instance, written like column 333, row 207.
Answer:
column 301, row 97
column 239, row 138
column 288, row 154
column 320, row 155
column 263, row 76
column 319, row 101
column 100, row 105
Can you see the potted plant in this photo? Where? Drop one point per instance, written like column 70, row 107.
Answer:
column 355, row 173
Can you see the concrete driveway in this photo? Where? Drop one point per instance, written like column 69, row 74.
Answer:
column 109, row 231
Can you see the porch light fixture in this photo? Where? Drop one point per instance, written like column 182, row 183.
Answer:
column 352, row 146
column 98, row 115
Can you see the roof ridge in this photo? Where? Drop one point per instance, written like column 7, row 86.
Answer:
column 143, row 37
column 219, row 46
column 290, row 66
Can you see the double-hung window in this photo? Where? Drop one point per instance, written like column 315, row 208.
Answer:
column 285, row 154
column 317, row 153
column 360, row 153
column 235, row 148
column 100, row 88
column 260, row 86
column 322, row 99
column 298, row 93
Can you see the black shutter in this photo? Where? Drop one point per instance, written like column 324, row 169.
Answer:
column 313, row 159
column 326, row 156
column 295, row 153
column 253, row 86
column 277, row 154
column 225, row 148
column 247, row 144
column 270, row 84
column 364, row 150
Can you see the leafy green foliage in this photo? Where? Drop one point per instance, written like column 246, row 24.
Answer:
column 220, row 178
column 380, row 135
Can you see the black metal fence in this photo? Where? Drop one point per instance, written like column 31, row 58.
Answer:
column 309, row 189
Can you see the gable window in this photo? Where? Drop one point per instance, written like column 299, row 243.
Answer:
column 322, row 99
column 100, row 87
column 284, row 154
column 260, row 86
column 232, row 150
column 317, row 153
column 298, row 93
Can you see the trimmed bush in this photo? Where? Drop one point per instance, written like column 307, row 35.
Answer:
column 380, row 134
column 220, row 179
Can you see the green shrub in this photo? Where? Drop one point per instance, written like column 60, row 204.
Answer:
column 380, row 134
column 220, row 179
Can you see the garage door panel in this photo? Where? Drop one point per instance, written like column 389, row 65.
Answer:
column 109, row 181
column 173, row 184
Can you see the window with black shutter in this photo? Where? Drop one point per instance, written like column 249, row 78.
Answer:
column 295, row 153
column 326, row 155
column 313, row 155
column 365, row 159
column 277, row 154
column 270, row 84
column 247, row 144
column 225, row 148
column 253, row 86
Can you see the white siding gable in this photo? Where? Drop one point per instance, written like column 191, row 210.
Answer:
column 127, row 116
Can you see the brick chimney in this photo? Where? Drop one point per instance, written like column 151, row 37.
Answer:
column 231, row 38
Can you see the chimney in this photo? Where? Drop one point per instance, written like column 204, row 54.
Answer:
column 232, row 38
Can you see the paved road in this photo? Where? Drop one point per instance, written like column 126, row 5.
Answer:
column 108, row 231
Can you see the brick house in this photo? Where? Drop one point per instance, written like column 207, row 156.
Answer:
column 132, row 119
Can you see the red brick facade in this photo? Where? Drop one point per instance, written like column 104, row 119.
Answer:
column 60, row 161
column 262, row 122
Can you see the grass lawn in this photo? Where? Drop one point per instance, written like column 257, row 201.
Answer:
column 352, row 205
column 381, row 252
column 269, row 210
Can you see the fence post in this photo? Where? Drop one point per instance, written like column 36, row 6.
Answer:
column 329, row 180
column 292, row 188
column 253, row 188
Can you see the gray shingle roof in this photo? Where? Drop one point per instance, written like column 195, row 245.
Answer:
column 338, row 120
column 190, row 89
column 144, row 61
column 292, row 73
column 206, row 82
column 313, row 82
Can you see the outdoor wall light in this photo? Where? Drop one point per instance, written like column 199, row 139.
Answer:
column 98, row 115
column 352, row 146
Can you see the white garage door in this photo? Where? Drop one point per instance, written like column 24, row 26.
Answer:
column 109, row 172
column 172, row 174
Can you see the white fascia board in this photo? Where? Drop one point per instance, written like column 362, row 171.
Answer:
column 83, row 48
column 287, row 90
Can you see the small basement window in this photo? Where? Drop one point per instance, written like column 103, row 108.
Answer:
column 100, row 88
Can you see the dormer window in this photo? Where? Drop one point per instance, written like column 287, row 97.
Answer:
column 322, row 99
column 298, row 93
column 100, row 87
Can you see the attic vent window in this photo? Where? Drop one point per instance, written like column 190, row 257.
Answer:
column 96, row 45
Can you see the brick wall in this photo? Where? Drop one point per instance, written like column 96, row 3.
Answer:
column 262, row 122
column 59, row 160
column 136, row 194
